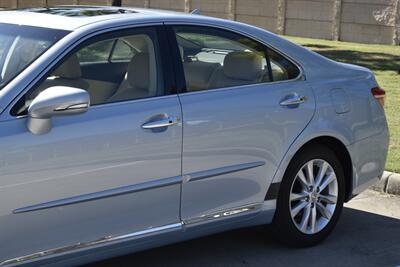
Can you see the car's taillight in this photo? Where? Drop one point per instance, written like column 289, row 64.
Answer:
column 379, row 95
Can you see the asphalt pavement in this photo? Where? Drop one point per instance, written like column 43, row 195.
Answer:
column 368, row 234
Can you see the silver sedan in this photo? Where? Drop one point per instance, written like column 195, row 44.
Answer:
column 123, row 129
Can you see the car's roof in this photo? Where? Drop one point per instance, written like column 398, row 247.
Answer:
column 73, row 17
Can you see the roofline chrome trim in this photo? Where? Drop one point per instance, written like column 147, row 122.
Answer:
column 134, row 235
column 85, row 245
column 129, row 189
column 102, row 194
column 200, row 175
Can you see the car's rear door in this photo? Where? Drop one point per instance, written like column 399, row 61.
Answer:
column 111, row 174
column 244, row 105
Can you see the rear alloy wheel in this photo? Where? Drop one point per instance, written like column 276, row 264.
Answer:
column 311, row 197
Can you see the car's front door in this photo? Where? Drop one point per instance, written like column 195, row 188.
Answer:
column 112, row 171
column 240, row 117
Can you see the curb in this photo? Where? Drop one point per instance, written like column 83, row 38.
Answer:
column 389, row 183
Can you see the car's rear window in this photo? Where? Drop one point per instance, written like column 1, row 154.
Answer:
column 20, row 45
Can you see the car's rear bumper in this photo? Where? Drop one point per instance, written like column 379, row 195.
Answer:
column 368, row 159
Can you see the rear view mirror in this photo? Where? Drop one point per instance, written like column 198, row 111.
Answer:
column 55, row 101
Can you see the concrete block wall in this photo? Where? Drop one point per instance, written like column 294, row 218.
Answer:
column 60, row 2
column 365, row 21
column 309, row 18
column 260, row 13
column 167, row 4
column 219, row 9
column 94, row 2
column 26, row 3
column 135, row 3
column 36, row 3
column 7, row 3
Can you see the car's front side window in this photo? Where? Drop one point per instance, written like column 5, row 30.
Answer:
column 110, row 69
column 122, row 51
column 215, row 58
column 96, row 52
column 20, row 45
column 109, row 50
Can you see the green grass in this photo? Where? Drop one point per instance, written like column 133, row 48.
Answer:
column 384, row 61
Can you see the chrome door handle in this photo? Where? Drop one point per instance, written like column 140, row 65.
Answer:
column 170, row 121
column 293, row 100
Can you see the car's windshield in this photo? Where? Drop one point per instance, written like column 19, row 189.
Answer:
column 20, row 45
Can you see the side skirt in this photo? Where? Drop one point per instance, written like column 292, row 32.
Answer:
column 249, row 215
column 92, row 244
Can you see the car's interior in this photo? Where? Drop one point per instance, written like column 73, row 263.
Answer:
column 126, row 68
column 109, row 75
column 216, row 62
column 237, row 68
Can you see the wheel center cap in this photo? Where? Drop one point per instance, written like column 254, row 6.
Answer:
column 314, row 196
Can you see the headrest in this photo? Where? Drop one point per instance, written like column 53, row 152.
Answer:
column 140, row 42
column 242, row 66
column 70, row 69
column 138, row 74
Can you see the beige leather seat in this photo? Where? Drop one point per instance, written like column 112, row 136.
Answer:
column 198, row 74
column 240, row 68
column 68, row 74
column 136, row 83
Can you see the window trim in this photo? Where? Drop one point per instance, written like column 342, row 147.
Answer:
column 110, row 33
column 110, row 54
column 106, row 59
column 181, row 75
column 180, row 82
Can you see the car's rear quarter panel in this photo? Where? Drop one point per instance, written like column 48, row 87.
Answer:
column 355, row 118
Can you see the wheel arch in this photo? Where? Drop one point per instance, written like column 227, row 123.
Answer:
column 333, row 143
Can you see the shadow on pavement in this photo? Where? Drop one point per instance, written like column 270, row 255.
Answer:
column 360, row 239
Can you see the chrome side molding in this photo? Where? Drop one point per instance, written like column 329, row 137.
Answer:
column 224, row 214
column 139, row 234
column 103, row 194
column 85, row 245
column 195, row 176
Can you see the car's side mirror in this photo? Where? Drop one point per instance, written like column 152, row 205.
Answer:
column 55, row 101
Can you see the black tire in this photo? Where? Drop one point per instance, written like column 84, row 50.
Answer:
column 283, row 227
